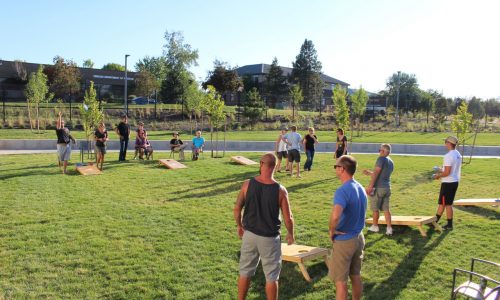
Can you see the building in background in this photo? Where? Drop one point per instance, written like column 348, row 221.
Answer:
column 109, row 85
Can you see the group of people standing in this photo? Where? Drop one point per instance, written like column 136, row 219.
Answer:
column 260, row 200
column 288, row 147
column 143, row 147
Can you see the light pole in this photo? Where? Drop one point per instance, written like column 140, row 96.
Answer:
column 397, row 100
column 125, row 103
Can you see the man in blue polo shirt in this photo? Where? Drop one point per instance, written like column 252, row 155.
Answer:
column 347, row 221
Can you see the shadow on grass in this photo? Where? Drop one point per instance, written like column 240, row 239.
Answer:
column 32, row 171
column 291, row 283
column 489, row 213
column 406, row 270
column 305, row 185
column 422, row 178
column 220, row 184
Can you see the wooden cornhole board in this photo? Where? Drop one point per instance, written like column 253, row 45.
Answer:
column 300, row 253
column 418, row 221
column 243, row 160
column 172, row 164
column 467, row 202
column 88, row 170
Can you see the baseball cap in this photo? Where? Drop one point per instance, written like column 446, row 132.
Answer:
column 451, row 139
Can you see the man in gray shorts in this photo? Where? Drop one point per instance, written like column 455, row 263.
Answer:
column 261, row 199
column 379, row 188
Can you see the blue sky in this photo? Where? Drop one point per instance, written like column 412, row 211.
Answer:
column 450, row 45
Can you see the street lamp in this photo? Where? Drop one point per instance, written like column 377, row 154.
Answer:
column 397, row 100
column 125, row 103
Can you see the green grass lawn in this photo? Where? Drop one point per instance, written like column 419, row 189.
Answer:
column 483, row 139
column 140, row 231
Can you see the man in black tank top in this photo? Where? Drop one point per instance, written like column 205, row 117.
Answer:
column 261, row 199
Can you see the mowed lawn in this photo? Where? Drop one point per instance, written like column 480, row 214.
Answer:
column 140, row 231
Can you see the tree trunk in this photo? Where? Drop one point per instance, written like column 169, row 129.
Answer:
column 29, row 116
column 38, row 118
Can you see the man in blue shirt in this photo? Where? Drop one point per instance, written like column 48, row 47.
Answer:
column 347, row 221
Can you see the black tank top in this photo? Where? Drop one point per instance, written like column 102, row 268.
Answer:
column 261, row 214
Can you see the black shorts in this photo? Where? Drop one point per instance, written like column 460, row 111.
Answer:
column 281, row 154
column 339, row 153
column 293, row 155
column 447, row 193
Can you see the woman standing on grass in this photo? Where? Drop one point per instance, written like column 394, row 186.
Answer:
column 101, row 137
column 341, row 145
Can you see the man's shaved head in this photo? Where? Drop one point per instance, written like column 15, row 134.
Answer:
column 269, row 159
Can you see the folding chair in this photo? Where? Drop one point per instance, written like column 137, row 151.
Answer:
column 173, row 151
column 477, row 285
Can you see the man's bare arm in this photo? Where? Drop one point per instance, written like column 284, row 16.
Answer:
column 238, row 207
column 287, row 214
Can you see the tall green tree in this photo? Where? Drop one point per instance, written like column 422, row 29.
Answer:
column 476, row 108
column 89, row 111
column 276, row 86
column 179, row 57
column 145, row 83
column 359, row 100
column 441, row 110
column 65, row 77
column 37, row 92
column 339, row 98
column 296, row 98
column 254, row 106
column 88, row 63
column 113, row 67
column 408, row 91
column 428, row 100
column 223, row 78
column 157, row 66
column 462, row 122
column 307, row 73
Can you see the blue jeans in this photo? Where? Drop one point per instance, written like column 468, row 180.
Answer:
column 309, row 160
column 123, row 149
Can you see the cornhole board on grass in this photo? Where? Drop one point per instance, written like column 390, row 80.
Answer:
column 467, row 202
column 418, row 221
column 88, row 170
column 243, row 160
column 300, row 253
column 171, row 164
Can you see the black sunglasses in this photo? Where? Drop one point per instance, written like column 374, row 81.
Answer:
column 337, row 166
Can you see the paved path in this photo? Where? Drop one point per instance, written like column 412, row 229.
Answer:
column 48, row 146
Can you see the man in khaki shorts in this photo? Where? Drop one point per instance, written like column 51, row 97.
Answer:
column 379, row 188
column 347, row 221
column 262, row 198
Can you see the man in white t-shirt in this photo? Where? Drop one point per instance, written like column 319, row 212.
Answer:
column 293, row 140
column 450, row 176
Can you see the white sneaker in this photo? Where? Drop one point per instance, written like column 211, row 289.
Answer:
column 388, row 231
column 373, row 228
